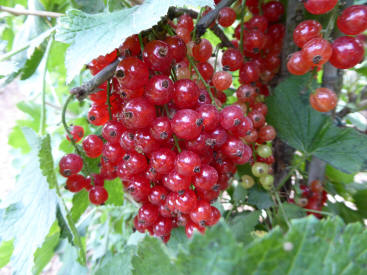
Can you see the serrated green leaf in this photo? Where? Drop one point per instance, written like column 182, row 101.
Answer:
column 312, row 132
column 309, row 247
column 243, row 224
column 151, row 258
column 259, row 197
column 89, row 39
column 80, row 204
column 30, row 209
column 6, row 249
column 115, row 192
column 217, row 252
column 119, row 263
column 46, row 161
column 33, row 61
column 44, row 254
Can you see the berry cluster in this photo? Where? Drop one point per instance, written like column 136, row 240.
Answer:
column 343, row 53
column 166, row 131
column 312, row 197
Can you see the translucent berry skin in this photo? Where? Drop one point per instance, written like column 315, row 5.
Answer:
column 184, row 34
column 249, row 73
column 214, row 217
column 226, row 17
column 187, row 163
column 176, row 182
column 306, row 31
column 186, row 202
column 317, row 51
column 353, row 20
column 102, row 61
column 243, row 129
column 267, row 133
column 144, row 142
column 127, row 141
column 347, row 52
column 157, row 55
column 210, row 116
column 77, row 133
column 98, row 115
column 218, row 137
column 185, row 21
column 232, row 59
column 273, row 10
column 92, row 146
column 276, row 32
column 185, row 94
column 138, row 113
column 132, row 73
column 159, row 90
column 187, row 124
column 234, row 148
column 140, row 227
column 296, row 64
column 192, row 227
column 70, row 164
column 254, row 42
column 138, row 187
column 231, row 116
column 162, row 160
column 131, row 164
column 258, row 22
column 222, row 80
column 319, row 6
column 202, row 213
column 202, row 51
column 112, row 152
column 258, row 119
column 206, row 70
column 161, row 129
column 130, row 46
column 148, row 214
column 162, row 227
column 112, row 131
column 323, row 100
column 98, row 195
column 199, row 144
column 177, row 47
column 246, row 93
column 206, row 178
column 158, row 195
column 75, row 183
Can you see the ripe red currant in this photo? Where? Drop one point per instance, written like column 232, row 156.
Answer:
column 323, row 100
column 353, row 20
column 70, row 164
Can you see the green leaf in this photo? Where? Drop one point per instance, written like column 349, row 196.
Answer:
column 89, row 6
column 243, row 224
column 46, row 161
column 216, row 252
column 115, row 192
column 259, row 197
column 151, row 258
column 312, row 132
column 70, row 264
column 87, row 35
column 360, row 199
column 80, row 204
column 6, row 249
column 239, row 194
column 32, row 63
column 340, row 209
column 338, row 176
column 44, row 254
column 31, row 208
column 119, row 263
column 309, row 247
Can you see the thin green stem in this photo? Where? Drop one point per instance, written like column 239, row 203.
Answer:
column 108, row 99
column 242, row 26
column 331, row 24
column 290, row 173
column 176, row 143
column 197, row 20
column 281, row 208
column 216, row 57
column 141, row 43
column 191, row 61
column 73, row 228
column 43, row 106
column 319, row 212
column 165, row 107
column 126, row 4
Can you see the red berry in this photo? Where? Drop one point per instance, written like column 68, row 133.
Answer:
column 200, row 145
column 210, row 116
column 258, row 119
column 132, row 73
column 348, row 51
column 98, row 115
column 215, row 216
column 208, row 195
column 273, row 10
column 231, row 116
column 161, row 129
column 176, row 182
column 206, row 70
column 98, row 195
column 144, row 142
column 276, row 32
column 353, row 20
column 222, row 80
column 177, row 48
column 77, row 133
column 206, row 178
column 218, row 137
column 112, row 152
column 192, row 227
column 202, row 213
column 112, row 131
column 186, row 202
column 254, row 41
column 75, row 183
column 323, row 100
column 187, row 124
column 127, row 141
column 317, row 51
column 138, row 187
column 184, row 34
column 131, row 46
column 162, row 160
column 157, row 56
column 70, row 164
column 158, row 195
column 235, row 149
column 267, row 133
column 148, row 214
column 296, row 64
column 185, row 21
column 226, row 17
column 92, row 146
column 185, row 94
column 246, row 93
column 249, row 73
column 202, row 50
column 187, row 163
column 162, row 227
column 232, row 59
column 132, row 164
column 319, row 6
column 138, row 113
column 306, row 31
column 102, row 61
